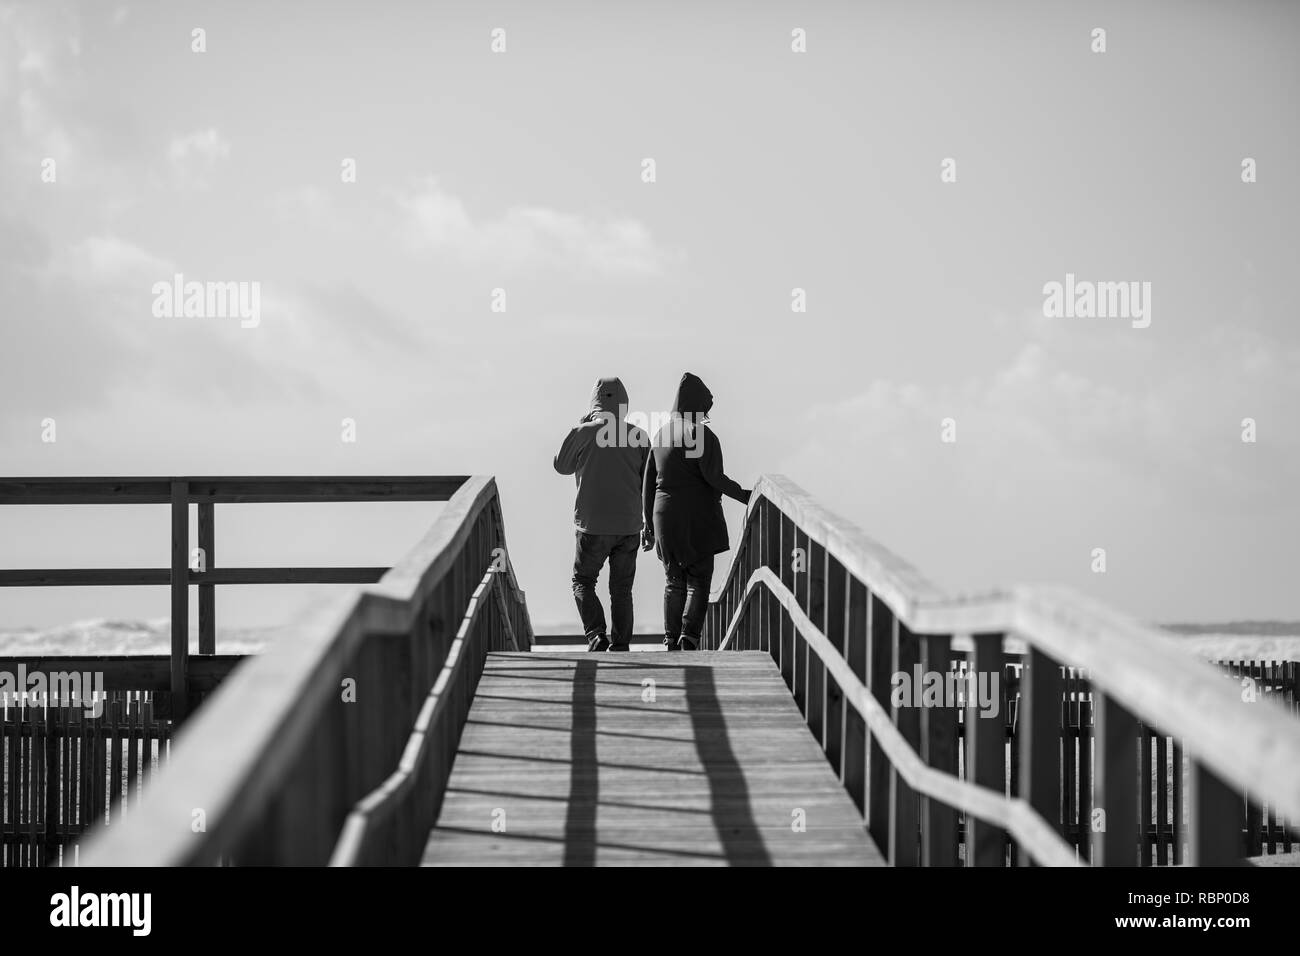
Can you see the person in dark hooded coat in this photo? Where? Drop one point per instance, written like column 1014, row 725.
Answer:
column 607, row 456
column 682, row 500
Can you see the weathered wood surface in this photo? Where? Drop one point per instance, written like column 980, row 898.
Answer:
column 227, row 490
column 569, row 754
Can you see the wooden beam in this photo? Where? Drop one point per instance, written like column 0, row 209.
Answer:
column 939, row 751
column 306, row 488
column 880, row 636
column 278, row 488
column 986, row 763
column 1039, row 739
column 87, row 491
column 180, row 598
column 854, row 766
column 1215, row 815
column 1115, row 772
column 903, row 846
column 836, row 616
column 208, row 592
column 288, row 576
column 124, row 577
column 83, row 577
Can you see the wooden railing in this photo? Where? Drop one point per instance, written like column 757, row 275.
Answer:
column 179, row 493
column 842, row 615
column 313, row 749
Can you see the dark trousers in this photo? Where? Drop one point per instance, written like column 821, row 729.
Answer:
column 589, row 557
column 686, row 597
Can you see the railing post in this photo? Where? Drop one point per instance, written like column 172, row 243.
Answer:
column 986, row 762
column 207, row 592
column 772, row 561
column 907, row 718
column 880, row 634
column 754, row 608
column 1039, row 731
column 938, row 750
column 789, row 638
column 1115, row 833
column 836, row 615
column 180, row 571
column 815, row 670
column 857, row 616
column 1214, row 836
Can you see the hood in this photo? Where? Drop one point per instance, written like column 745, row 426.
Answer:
column 609, row 395
column 693, row 396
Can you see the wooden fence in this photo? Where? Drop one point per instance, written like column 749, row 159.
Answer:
column 1160, row 757
column 940, row 786
column 64, row 767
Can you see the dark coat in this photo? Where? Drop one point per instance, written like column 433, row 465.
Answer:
column 684, row 481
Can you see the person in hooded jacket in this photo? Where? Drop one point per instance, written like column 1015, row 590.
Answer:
column 682, row 506
column 607, row 454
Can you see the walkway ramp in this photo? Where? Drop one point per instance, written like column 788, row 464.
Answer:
column 642, row 758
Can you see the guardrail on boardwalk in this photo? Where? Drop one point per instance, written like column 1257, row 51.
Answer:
column 179, row 493
column 320, row 730
column 842, row 615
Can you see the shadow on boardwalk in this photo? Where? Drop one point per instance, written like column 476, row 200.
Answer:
column 698, row 758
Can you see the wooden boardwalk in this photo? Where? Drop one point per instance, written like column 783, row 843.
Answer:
column 642, row 758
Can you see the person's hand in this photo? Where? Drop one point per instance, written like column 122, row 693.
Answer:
column 647, row 540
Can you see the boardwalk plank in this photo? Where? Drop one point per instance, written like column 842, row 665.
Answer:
column 568, row 754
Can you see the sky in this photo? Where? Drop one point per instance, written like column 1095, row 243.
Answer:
column 774, row 170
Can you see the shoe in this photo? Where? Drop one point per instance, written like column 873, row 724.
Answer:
column 685, row 643
column 618, row 647
column 671, row 644
column 598, row 643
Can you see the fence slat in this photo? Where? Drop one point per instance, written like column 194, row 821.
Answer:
column 1039, row 730
column 939, row 750
column 985, row 755
column 1116, row 735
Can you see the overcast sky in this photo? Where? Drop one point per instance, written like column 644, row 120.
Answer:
column 775, row 170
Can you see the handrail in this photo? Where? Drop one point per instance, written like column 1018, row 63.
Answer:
column 1139, row 670
column 180, row 492
column 1016, row 816
column 380, row 804
column 271, row 730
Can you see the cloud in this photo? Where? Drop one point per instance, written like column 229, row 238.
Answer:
column 194, row 156
column 111, row 260
column 34, row 59
column 1077, row 417
column 206, row 144
column 529, row 237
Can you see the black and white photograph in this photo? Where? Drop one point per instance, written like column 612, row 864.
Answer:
column 654, row 435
